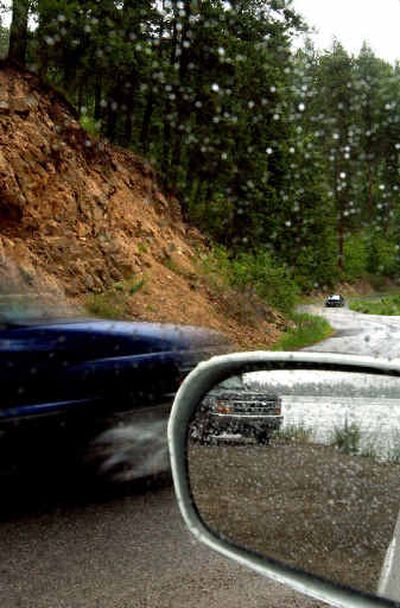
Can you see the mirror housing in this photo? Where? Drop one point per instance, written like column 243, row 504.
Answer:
column 191, row 393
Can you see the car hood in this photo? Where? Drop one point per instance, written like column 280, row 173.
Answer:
column 99, row 337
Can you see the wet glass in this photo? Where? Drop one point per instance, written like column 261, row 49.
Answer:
column 303, row 467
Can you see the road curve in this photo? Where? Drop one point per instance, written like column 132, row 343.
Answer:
column 358, row 334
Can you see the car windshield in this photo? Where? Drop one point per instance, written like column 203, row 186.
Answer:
column 218, row 165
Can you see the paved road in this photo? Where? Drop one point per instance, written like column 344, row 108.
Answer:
column 122, row 553
column 359, row 334
column 133, row 551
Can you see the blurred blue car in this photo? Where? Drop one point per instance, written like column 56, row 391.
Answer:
column 64, row 382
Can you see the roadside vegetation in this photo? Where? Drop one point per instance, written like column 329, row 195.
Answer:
column 346, row 438
column 306, row 330
column 114, row 303
column 255, row 273
column 295, row 433
column 249, row 283
column 381, row 305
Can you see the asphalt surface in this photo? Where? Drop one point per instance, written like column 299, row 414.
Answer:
column 124, row 552
column 359, row 334
column 133, row 550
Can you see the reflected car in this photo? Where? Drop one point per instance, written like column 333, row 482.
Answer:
column 236, row 412
column 334, row 301
column 65, row 381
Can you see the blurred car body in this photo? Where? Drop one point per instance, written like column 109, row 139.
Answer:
column 65, row 381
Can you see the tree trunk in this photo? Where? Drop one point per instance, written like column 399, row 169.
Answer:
column 144, row 133
column 98, row 85
column 19, row 31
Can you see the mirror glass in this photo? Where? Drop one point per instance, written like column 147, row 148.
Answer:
column 303, row 466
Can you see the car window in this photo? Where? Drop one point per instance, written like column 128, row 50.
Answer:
column 178, row 178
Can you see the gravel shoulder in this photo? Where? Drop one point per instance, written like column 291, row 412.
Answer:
column 304, row 504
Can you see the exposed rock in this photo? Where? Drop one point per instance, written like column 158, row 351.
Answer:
column 78, row 216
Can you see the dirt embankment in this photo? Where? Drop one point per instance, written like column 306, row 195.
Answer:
column 78, row 217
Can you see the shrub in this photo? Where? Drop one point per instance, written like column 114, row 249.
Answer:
column 270, row 280
column 91, row 126
column 308, row 329
column 253, row 272
column 347, row 438
column 114, row 302
column 383, row 256
column 386, row 305
column 293, row 434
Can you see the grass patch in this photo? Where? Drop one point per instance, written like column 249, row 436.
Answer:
column 193, row 278
column 347, row 438
column 382, row 305
column 308, row 329
column 172, row 265
column 113, row 303
column 293, row 433
column 370, row 451
column 142, row 247
column 394, row 455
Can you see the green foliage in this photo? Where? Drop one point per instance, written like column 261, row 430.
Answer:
column 295, row 433
column 356, row 257
column 135, row 286
column 105, row 306
column 142, row 247
column 383, row 256
column 393, row 454
column 4, row 40
column 385, row 305
column 255, row 272
column 308, row 329
column 370, row 451
column 90, row 125
column 114, row 303
column 347, row 438
column 270, row 281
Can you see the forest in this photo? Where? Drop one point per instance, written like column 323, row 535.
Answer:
column 286, row 157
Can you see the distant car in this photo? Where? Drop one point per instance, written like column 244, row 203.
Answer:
column 65, row 381
column 234, row 411
column 334, row 301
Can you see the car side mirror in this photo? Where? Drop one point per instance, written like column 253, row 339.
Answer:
column 296, row 472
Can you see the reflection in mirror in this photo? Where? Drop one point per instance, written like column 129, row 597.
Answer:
column 304, row 466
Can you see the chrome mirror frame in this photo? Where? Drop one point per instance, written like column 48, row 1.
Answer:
column 189, row 395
